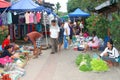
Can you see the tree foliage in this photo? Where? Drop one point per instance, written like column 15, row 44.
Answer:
column 83, row 4
column 100, row 24
column 58, row 6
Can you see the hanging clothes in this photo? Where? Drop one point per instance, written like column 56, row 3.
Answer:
column 15, row 18
column 21, row 19
column 25, row 31
column 26, row 28
column 9, row 18
column 38, row 28
column 35, row 18
column 33, row 27
column 45, row 18
column 31, row 17
column 27, row 18
column 4, row 18
column 12, row 32
column 51, row 17
column 30, row 27
column 38, row 16
column 0, row 21
column 21, row 31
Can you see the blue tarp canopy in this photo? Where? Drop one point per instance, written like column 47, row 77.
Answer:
column 78, row 13
column 40, row 8
column 48, row 10
column 24, row 5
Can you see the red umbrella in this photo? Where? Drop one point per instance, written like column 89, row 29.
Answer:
column 4, row 4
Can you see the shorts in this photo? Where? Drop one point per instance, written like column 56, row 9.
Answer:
column 60, row 40
column 38, row 42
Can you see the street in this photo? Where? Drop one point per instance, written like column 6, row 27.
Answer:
column 61, row 66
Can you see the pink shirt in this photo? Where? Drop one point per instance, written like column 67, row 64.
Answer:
column 38, row 16
column 31, row 17
column 96, row 42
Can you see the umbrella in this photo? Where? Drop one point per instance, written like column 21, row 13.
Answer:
column 4, row 4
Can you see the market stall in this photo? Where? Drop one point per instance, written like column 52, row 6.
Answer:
column 79, row 13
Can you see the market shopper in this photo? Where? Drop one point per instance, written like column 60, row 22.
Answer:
column 61, row 36
column 86, row 34
column 54, row 33
column 66, row 35
column 72, row 32
column 77, row 28
column 35, row 37
column 110, row 54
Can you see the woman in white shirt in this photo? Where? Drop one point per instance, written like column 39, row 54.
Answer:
column 110, row 54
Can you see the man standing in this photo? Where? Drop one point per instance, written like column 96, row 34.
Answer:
column 54, row 33
column 35, row 38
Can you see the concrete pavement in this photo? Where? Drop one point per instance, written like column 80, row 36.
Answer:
column 61, row 66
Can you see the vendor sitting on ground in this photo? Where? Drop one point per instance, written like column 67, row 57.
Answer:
column 86, row 34
column 7, row 52
column 6, row 42
column 35, row 38
column 94, row 43
column 110, row 54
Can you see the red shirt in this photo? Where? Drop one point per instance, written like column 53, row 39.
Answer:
column 6, row 42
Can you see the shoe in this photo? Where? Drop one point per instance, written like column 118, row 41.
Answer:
column 52, row 52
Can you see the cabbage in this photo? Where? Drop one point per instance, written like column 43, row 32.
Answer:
column 87, row 57
column 79, row 59
column 99, row 65
column 85, row 68
column 85, row 65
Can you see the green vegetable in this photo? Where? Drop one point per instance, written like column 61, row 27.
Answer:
column 83, row 61
column 85, row 64
column 87, row 57
column 22, row 57
column 99, row 65
column 79, row 59
column 85, row 68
